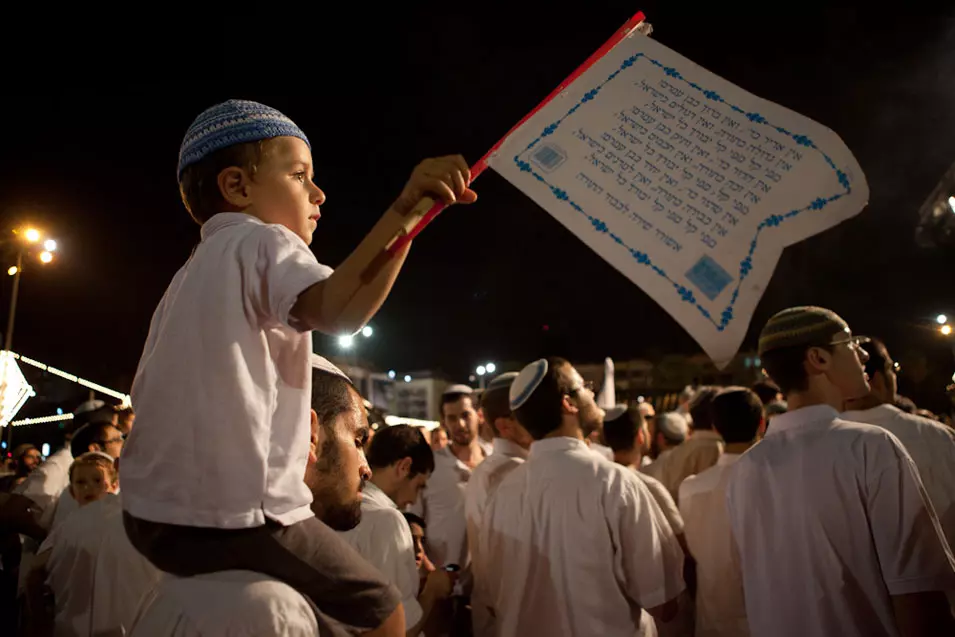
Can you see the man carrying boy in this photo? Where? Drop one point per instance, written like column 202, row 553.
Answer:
column 212, row 472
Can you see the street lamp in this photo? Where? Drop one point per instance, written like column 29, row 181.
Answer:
column 484, row 370
column 25, row 239
column 367, row 331
column 346, row 341
column 946, row 330
column 941, row 319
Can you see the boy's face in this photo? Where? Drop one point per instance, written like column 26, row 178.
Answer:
column 282, row 190
column 89, row 484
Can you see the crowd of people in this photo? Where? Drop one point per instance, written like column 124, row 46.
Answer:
column 252, row 496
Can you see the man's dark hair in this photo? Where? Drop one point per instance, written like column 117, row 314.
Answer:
column 447, row 399
column 767, row 391
column 89, row 434
column 414, row 519
column 620, row 434
column 701, row 407
column 332, row 396
column 542, row 412
column 393, row 444
column 879, row 360
column 737, row 414
column 496, row 404
column 199, row 184
column 786, row 367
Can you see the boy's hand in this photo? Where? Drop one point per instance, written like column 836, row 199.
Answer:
column 444, row 179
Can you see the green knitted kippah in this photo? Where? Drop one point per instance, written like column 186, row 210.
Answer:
column 799, row 326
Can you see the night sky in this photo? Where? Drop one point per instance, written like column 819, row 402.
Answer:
column 96, row 168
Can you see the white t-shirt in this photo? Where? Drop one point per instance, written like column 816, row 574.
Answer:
column 664, row 500
column 225, row 604
column 441, row 505
column 720, row 607
column 484, row 481
column 383, row 537
column 98, row 579
column 830, row 520
column 576, row 545
column 223, row 387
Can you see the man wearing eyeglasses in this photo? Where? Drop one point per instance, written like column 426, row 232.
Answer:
column 831, row 527
column 931, row 444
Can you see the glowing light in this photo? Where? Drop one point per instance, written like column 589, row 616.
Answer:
column 76, row 379
column 345, row 342
column 491, row 368
column 481, row 370
column 32, row 235
column 41, row 420
column 12, row 270
column 951, row 203
column 367, row 331
column 407, row 378
column 46, row 257
column 45, row 449
column 946, row 330
column 49, row 245
column 941, row 319
column 392, row 374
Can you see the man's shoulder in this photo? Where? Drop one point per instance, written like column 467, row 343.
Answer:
column 702, row 483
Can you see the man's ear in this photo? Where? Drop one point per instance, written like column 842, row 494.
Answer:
column 313, row 437
column 234, row 185
column 817, row 361
column 568, row 406
column 403, row 467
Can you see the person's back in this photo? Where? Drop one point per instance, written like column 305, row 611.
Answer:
column 225, row 604
column 829, row 518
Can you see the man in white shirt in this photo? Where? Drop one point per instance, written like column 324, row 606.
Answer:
column 442, row 503
column 720, row 608
column 931, row 444
column 401, row 462
column 834, row 533
column 575, row 544
column 511, row 443
column 668, row 431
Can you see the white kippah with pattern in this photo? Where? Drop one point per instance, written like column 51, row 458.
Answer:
column 528, row 380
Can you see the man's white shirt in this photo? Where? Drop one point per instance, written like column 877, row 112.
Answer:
column 584, row 547
column 383, row 537
column 830, row 519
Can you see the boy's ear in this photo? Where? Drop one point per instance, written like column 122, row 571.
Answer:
column 234, row 187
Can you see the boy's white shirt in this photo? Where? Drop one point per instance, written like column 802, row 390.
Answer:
column 223, row 389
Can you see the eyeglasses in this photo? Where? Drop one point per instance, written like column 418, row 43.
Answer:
column 588, row 385
column 111, row 440
column 854, row 342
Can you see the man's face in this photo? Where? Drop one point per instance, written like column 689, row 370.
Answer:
column 111, row 441
column 410, row 488
column 417, row 534
column 886, row 383
column 28, row 462
column 846, row 368
column 337, row 478
column 591, row 416
column 461, row 421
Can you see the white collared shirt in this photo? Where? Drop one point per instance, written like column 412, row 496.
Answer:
column 581, row 545
column 720, row 607
column 484, row 481
column 383, row 537
column 830, row 520
column 223, row 387
column 932, row 447
column 98, row 579
column 225, row 604
column 441, row 505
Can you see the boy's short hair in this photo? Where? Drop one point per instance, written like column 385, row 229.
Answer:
column 96, row 459
column 199, row 183
column 414, row 519
column 393, row 444
column 455, row 393
column 737, row 414
column 620, row 434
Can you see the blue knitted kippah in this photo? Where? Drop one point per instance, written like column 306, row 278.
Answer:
column 230, row 123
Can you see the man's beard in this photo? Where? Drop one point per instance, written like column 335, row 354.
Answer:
column 342, row 517
column 331, row 503
column 463, row 438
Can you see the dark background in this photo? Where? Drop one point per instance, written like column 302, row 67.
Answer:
column 500, row 280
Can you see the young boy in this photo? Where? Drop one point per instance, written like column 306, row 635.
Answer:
column 212, row 472
column 92, row 476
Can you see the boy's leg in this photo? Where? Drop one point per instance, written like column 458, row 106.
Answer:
column 351, row 596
